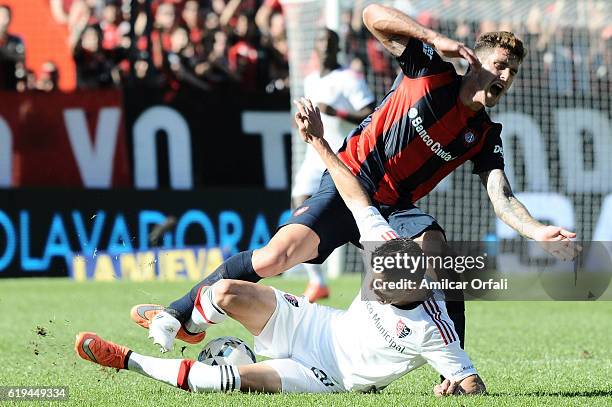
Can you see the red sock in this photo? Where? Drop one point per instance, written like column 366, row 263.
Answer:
column 181, row 381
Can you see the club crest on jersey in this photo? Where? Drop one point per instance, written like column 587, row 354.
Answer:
column 291, row 300
column 401, row 329
column 469, row 137
column 300, row 211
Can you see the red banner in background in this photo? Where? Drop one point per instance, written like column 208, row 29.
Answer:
column 67, row 140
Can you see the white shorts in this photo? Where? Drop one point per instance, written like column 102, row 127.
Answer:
column 298, row 339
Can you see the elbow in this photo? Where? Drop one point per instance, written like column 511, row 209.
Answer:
column 370, row 14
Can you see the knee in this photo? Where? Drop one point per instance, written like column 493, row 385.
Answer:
column 271, row 260
column 226, row 293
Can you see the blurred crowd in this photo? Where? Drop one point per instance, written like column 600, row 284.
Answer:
column 204, row 44
column 174, row 43
column 208, row 44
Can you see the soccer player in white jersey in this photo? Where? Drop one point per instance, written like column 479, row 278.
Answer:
column 344, row 100
column 315, row 349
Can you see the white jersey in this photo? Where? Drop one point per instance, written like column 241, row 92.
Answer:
column 342, row 89
column 364, row 348
column 375, row 344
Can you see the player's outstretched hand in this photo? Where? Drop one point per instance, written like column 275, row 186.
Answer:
column 308, row 120
column 455, row 49
column 446, row 388
column 556, row 241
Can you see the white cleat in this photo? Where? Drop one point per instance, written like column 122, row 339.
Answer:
column 163, row 330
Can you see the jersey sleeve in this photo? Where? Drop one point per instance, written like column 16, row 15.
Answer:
column 372, row 226
column 358, row 94
column 441, row 347
column 491, row 156
column 420, row 59
column 450, row 361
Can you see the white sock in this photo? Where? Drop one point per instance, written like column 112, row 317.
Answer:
column 164, row 370
column 205, row 378
column 206, row 311
column 186, row 374
column 163, row 330
column 315, row 274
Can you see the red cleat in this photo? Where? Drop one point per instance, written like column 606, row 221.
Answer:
column 92, row 348
column 316, row 292
column 143, row 314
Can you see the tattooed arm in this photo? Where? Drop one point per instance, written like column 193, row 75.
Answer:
column 514, row 214
column 507, row 207
column 394, row 29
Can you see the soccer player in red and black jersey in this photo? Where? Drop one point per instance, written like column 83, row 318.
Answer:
column 432, row 121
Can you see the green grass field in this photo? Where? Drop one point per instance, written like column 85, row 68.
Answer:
column 528, row 353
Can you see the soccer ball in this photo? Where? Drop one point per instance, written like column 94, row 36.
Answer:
column 227, row 350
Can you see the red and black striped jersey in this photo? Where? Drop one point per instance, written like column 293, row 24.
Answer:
column 420, row 132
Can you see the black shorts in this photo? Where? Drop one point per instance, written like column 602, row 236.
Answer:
column 327, row 215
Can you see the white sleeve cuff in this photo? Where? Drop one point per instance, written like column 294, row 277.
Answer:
column 372, row 226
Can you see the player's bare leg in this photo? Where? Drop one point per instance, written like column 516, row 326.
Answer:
column 291, row 245
column 182, row 373
column 248, row 303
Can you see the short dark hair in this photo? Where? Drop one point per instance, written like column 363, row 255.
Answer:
column 396, row 274
column 501, row 39
column 400, row 245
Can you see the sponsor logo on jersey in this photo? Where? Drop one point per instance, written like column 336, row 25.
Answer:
column 386, row 336
column 401, row 329
column 413, row 112
column 427, row 50
column 498, row 150
column 291, row 300
column 301, row 210
column 417, row 123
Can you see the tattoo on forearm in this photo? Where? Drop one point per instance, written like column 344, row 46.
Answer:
column 507, row 207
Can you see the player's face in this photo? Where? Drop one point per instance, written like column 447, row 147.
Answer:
column 499, row 67
column 326, row 46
